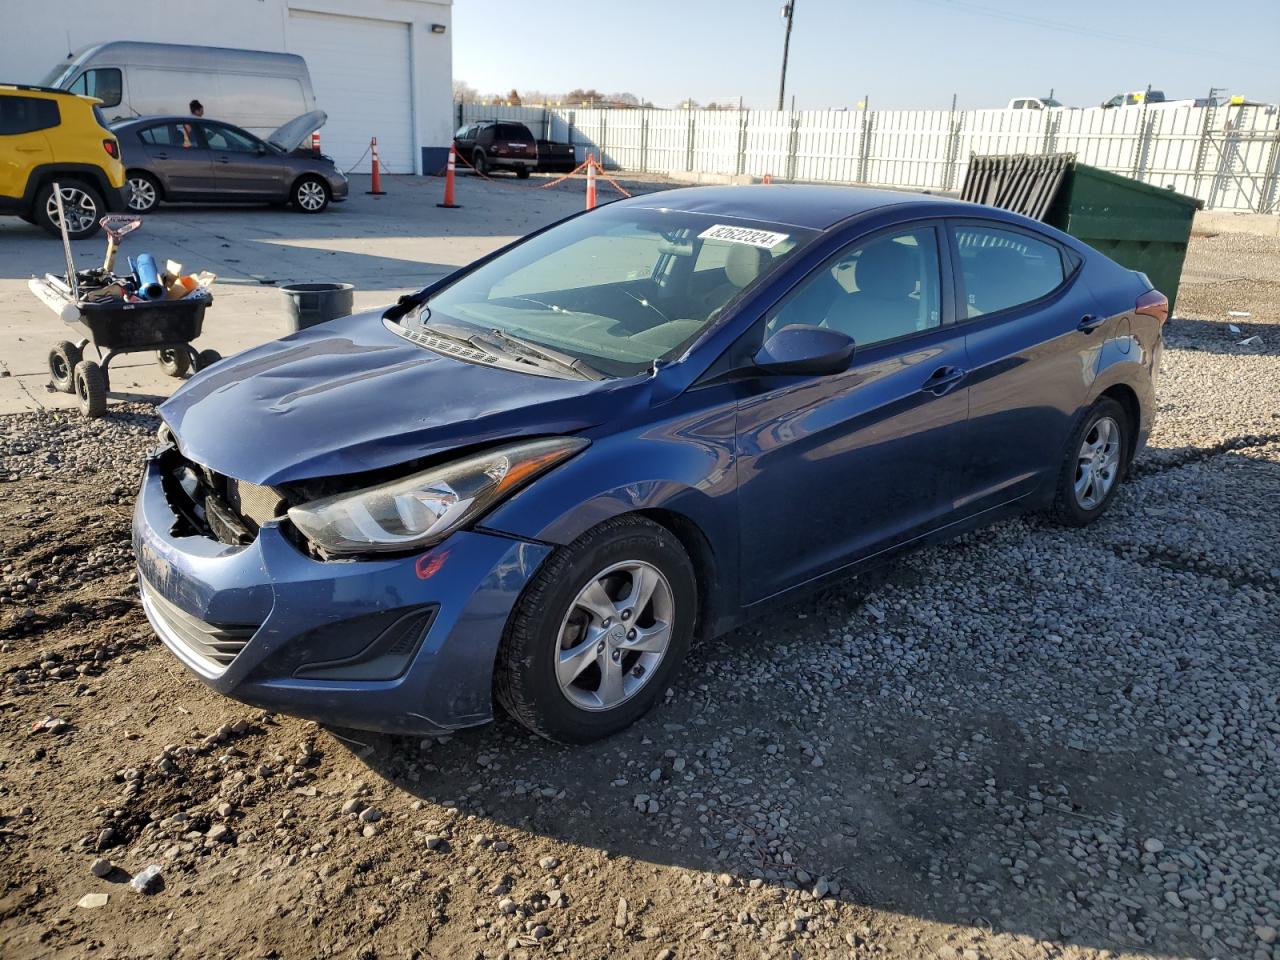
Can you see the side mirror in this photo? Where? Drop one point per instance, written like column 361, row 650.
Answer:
column 799, row 349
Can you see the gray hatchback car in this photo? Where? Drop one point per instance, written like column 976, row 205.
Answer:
column 194, row 159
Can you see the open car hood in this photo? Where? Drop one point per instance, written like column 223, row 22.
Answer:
column 289, row 137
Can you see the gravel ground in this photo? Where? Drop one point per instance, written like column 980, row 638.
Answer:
column 1031, row 742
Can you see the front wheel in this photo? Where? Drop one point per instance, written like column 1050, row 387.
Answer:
column 174, row 361
column 522, row 173
column 1095, row 460
column 207, row 358
column 310, row 195
column 598, row 632
column 480, row 163
column 91, row 388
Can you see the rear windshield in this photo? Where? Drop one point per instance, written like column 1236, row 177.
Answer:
column 512, row 131
column 619, row 288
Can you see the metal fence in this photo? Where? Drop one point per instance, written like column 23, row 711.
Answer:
column 1228, row 156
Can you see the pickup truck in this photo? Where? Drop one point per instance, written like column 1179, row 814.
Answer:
column 1152, row 98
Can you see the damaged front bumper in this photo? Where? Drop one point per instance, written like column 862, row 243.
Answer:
column 403, row 645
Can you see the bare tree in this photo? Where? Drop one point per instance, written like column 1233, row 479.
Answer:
column 513, row 98
column 464, row 92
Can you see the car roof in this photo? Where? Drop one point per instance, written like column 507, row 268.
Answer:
column 814, row 206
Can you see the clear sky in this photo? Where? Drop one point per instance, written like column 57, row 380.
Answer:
column 904, row 53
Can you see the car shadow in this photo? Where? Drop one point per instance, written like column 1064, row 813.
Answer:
column 891, row 797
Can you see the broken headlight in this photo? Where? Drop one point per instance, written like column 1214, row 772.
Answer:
column 426, row 507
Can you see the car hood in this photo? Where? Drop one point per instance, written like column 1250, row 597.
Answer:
column 349, row 396
column 290, row 136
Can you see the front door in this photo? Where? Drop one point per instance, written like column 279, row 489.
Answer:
column 244, row 166
column 833, row 469
column 1034, row 340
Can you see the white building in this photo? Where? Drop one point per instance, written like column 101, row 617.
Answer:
column 379, row 67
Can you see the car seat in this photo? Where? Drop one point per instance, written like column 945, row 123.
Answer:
column 884, row 305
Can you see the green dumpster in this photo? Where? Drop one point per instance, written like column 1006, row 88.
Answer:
column 1135, row 224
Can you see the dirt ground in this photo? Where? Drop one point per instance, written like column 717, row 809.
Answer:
column 1030, row 743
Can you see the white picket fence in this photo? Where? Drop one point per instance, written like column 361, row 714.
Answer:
column 1228, row 156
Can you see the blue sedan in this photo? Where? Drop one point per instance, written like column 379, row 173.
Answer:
column 538, row 480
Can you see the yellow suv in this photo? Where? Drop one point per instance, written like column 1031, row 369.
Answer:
column 51, row 135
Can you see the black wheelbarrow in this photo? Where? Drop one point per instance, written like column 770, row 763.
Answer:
column 166, row 327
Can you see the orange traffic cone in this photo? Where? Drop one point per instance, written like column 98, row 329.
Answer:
column 591, row 181
column 448, row 182
column 375, row 187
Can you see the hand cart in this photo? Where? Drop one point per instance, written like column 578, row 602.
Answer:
column 117, row 326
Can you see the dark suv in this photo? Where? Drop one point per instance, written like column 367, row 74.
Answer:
column 497, row 145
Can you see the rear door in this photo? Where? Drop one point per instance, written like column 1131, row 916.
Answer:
column 244, row 166
column 1033, row 340
column 23, row 145
column 837, row 468
column 178, row 156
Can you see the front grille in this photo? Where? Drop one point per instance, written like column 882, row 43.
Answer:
column 207, row 647
column 217, row 506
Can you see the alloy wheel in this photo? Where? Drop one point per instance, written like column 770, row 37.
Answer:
column 143, row 194
column 310, row 195
column 1097, row 463
column 615, row 634
column 80, row 208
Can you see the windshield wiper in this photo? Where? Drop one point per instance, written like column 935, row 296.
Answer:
column 546, row 354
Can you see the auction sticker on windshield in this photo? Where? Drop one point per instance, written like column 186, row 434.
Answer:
column 765, row 239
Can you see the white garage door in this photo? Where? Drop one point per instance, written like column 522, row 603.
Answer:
column 360, row 71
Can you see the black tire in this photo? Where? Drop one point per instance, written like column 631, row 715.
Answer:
column 91, row 388
column 174, row 361
column 145, row 192
column 525, row 682
column 481, row 163
column 62, row 365
column 28, row 217
column 310, row 195
column 207, row 358
column 89, row 209
column 522, row 173
column 1068, row 509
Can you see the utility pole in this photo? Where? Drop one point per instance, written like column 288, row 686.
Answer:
column 788, row 11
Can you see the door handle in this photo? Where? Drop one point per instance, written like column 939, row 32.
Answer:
column 30, row 149
column 224, row 159
column 943, row 379
column 161, row 156
column 1089, row 323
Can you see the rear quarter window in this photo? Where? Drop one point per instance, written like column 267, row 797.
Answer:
column 512, row 131
column 20, row 115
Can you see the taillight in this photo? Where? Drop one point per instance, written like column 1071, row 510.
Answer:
column 112, row 148
column 1153, row 303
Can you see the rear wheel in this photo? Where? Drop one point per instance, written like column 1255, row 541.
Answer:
column 598, row 632
column 175, row 361
column 81, row 203
column 144, row 193
column 480, row 162
column 522, row 173
column 62, row 365
column 1096, row 459
column 91, row 389
column 310, row 195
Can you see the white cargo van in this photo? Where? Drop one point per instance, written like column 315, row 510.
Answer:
column 253, row 89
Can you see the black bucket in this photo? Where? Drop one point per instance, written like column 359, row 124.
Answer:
column 311, row 303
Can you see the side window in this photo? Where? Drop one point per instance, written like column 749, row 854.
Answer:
column 232, row 141
column 1005, row 268
column 485, row 134
column 875, row 290
column 169, row 135
column 102, row 82
column 462, row 132
column 1019, row 104
column 27, row 115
